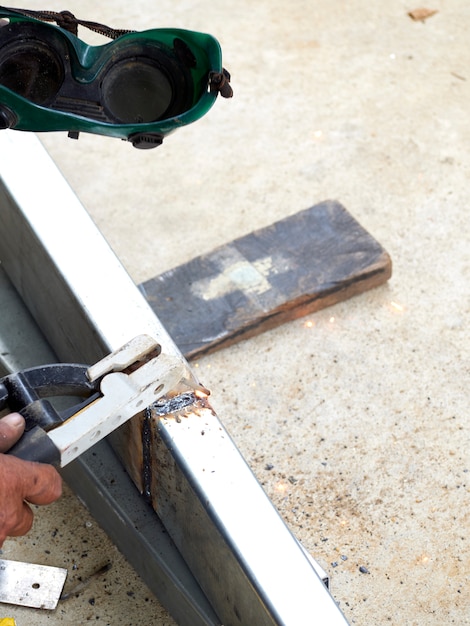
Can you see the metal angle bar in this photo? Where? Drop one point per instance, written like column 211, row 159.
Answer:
column 101, row 482
column 86, row 305
column 137, row 531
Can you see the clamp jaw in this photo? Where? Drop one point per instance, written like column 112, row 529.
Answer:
column 113, row 390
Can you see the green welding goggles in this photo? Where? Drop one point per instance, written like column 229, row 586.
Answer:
column 139, row 87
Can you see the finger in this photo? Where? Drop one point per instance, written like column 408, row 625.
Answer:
column 11, row 429
column 24, row 523
column 37, row 483
column 43, row 484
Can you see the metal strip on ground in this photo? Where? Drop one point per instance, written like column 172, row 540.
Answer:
column 29, row 584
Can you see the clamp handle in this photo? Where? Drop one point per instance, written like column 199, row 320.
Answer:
column 35, row 445
column 26, row 392
column 116, row 388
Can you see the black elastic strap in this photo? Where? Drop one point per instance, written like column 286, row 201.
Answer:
column 68, row 21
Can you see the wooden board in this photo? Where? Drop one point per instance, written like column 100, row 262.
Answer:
column 298, row 265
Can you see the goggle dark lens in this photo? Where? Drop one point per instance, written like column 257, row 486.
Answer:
column 141, row 86
column 32, row 70
column 136, row 91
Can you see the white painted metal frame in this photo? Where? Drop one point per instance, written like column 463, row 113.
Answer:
column 86, row 305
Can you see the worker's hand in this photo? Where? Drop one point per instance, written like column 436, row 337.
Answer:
column 21, row 482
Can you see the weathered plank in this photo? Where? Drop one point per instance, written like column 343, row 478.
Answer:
column 298, row 265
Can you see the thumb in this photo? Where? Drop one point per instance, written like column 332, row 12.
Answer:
column 11, row 429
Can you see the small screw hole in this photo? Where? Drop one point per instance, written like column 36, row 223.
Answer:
column 35, row 585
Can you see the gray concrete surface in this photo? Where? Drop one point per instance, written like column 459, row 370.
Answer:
column 360, row 409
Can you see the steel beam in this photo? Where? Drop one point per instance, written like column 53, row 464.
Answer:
column 101, row 482
column 249, row 565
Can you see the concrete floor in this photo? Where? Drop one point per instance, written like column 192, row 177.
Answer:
column 366, row 406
